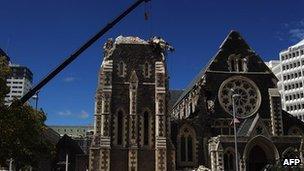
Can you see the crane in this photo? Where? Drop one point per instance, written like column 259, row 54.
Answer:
column 79, row 51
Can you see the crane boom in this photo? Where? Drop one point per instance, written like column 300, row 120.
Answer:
column 76, row 53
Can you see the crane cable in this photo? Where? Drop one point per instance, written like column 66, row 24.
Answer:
column 147, row 16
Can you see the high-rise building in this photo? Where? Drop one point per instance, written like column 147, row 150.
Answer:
column 292, row 80
column 275, row 67
column 20, row 82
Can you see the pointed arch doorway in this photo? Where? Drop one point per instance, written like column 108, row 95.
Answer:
column 257, row 159
column 259, row 152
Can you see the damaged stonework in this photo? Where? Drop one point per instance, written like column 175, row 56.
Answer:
column 203, row 168
column 129, row 40
column 156, row 42
column 134, row 131
column 131, row 117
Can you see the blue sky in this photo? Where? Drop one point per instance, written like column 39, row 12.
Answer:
column 41, row 33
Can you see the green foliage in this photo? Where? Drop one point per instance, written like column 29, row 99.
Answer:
column 4, row 73
column 22, row 129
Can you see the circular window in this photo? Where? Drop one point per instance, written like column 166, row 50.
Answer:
column 248, row 100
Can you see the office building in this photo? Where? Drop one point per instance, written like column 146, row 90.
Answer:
column 72, row 131
column 292, row 91
column 20, row 82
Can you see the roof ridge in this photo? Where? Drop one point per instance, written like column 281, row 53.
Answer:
column 202, row 72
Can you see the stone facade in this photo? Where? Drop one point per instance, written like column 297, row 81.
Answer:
column 131, row 117
column 134, row 131
column 265, row 133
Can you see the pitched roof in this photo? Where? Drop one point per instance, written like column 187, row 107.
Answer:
column 245, row 126
column 174, row 95
column 232, row 36
column 233, row 43
column 67, row 143
column 287, row 117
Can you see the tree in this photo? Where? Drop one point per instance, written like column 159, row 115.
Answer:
column 22, row 129
column 4, row 73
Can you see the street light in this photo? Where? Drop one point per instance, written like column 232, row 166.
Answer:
column 11, row 164
column 234, row 96
column 36, row 97
column 66, row 162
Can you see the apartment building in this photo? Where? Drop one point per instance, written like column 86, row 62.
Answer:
column 20, row 82
column 292, row 79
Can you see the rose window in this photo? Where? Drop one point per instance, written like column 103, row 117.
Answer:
column 248, row 100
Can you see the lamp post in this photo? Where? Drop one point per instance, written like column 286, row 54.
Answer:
column 66, row 162
column 36, row 97
column 11, row 164
column 234, row 96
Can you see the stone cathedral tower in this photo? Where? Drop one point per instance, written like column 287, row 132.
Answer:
column 131, row 122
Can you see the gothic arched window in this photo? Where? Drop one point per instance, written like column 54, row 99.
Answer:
column 229, row 160
column 189, row 149
column 146, row 128
column 240, row 65
column 119, row 127
column 121, row 69
column 236, row 63
column 183, row 148
column 146, row 70
column 191, row 109
column 232, row 65
column 245, row 65
column 186, row 146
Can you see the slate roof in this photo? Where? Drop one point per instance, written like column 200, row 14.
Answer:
column 245, row 126
column 232, row 41
column 67, row 143
column 203, row 71
column 174, row 95
column 287, row 117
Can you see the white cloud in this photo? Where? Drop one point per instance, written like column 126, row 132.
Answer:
column 84, row 115
column 69, row 79
column 292, row 31
column 297, row 33
column 65, row 113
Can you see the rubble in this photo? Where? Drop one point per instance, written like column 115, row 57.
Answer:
column 203, row 168
column 129, row 40
column 157, row 42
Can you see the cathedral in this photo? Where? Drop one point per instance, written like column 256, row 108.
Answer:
column 140, row 125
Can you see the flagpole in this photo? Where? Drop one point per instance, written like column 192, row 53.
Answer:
column 66, row 162
column 11, row 164
column 234, row 96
